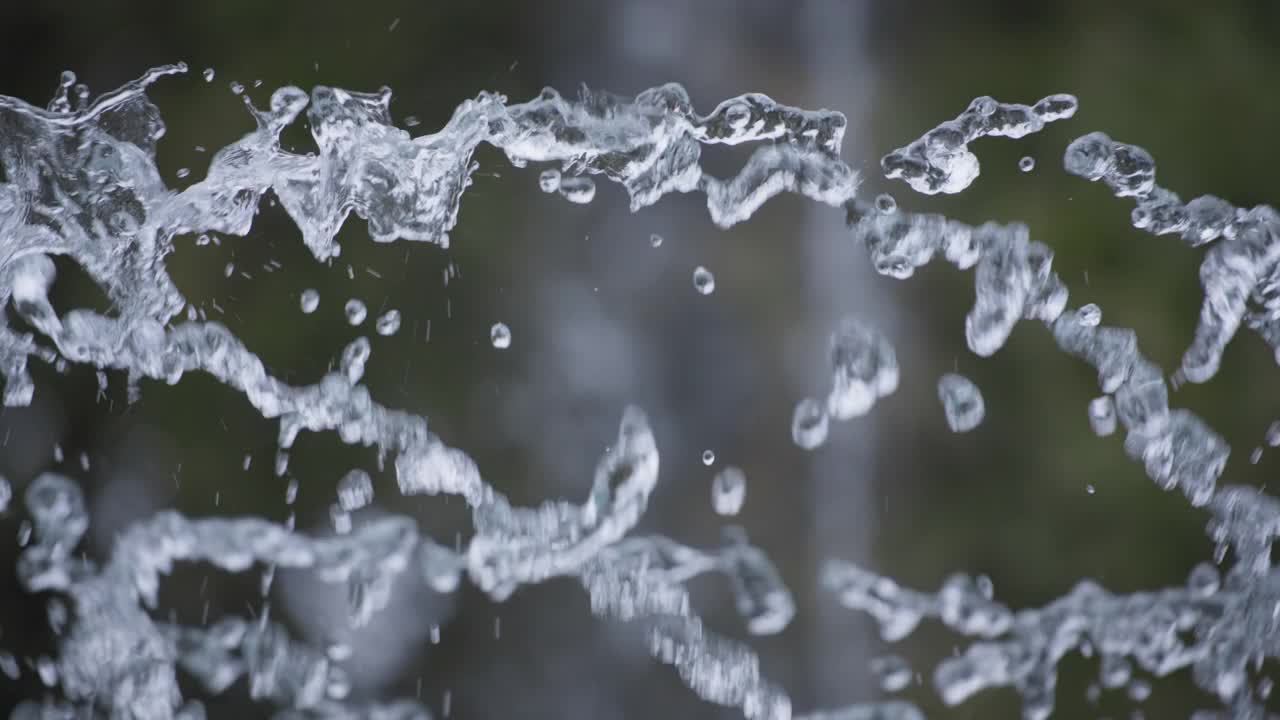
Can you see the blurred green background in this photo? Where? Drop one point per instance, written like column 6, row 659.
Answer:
column 600, row 319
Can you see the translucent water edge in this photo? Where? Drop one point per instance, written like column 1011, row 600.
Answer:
column 80, row 180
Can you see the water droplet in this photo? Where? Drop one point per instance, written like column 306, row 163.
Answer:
column 809, row 424
column 1090, row 489
column 892, row 671
column 655, row 240
column 549, row 180
column 703, row 281
column 355, row 311
column 237, row 88
column 500, row 336
column 412, row 121
column 728, row 490
column 1102, row 415
column 961, row 401
column 355, row 490
column 1027, row 164
column 708, row 457
column 1256, row 456
column 389, row 323
column 183, row 172
column 208, row 74
column 1273, row 434
column 309, row 300
column 578, row 189
column 886, row 204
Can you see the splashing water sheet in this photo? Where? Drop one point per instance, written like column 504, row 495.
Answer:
column 80, row 181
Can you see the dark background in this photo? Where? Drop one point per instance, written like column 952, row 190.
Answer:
column 600, row 319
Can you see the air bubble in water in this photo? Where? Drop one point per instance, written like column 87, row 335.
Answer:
column 961, row 401
column 809, row 424
column 500, row 336
column 1089, row 315
column 549, row 180
column 655, row 240
column 1102, row 415
column 728, row 490
column 309, row 300
column 389, row 323
column 355, row 311
column 708, row 457
column 892, row 672
column 1027, row 164
column 703, row 281
column 355, row 490
column 886, row 204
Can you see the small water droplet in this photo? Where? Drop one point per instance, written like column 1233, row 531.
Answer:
column 412, row 121
column 703, row 281
column 809, row 424
column 309, row 301
column 183, row 172
column 708, row 457
column 389, row 323
column 1090, row 489
column 886, row 204
column 355, row 311
column 500, row 336
column 549, row 180
column 655, row 240
column 1027, row 164
column 728, row 490
column 208, row 74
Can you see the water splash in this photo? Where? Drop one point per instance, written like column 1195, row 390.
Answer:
column 1240, row 275
column 80, row 180
column 940, row 161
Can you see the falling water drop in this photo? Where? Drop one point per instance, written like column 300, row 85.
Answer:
column 1027, row 164
column 1273, row 434
column 708, row 457
column 728, row 490
column 389, row 323
column 355, row 490
column 1102, row 415
column 886, row 204
column 655, row 240
column 208, row 74
column 809, row 424
column 356, row 311
column 549, row 180
column 703, row 281
column 309, row 300
column 892, row 671
column 961, row 401
column 500, row 336
column 580, row 190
